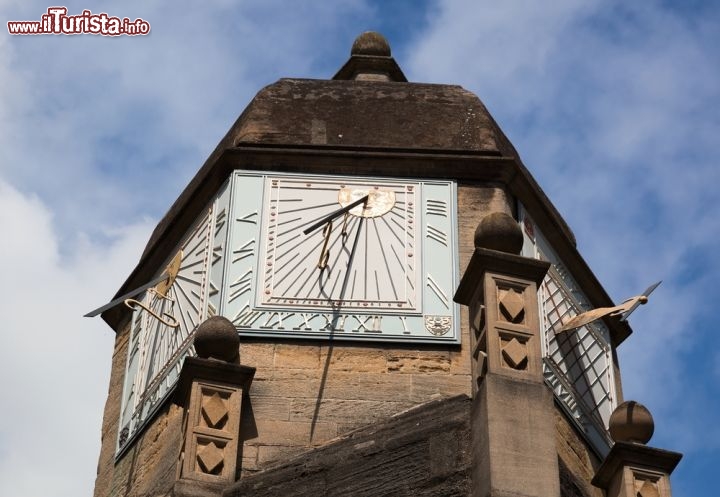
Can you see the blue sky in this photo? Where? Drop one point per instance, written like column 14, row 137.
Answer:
column 612, row 105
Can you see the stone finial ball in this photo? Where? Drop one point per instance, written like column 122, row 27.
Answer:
column 217, row 338
column 371, row 43
column 499, row 231
column 631, row 422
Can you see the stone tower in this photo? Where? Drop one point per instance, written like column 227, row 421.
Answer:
column 360, row 293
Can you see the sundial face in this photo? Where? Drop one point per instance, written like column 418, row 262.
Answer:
column 158, row 347
column 577, row 365
column 384, row 269
column 163, row 323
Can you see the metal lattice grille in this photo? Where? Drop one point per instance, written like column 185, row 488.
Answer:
column 578, row 363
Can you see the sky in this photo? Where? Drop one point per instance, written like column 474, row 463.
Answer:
column 613, row 106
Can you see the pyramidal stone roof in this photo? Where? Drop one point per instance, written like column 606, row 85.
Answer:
column 369, row 103
column 381, row 114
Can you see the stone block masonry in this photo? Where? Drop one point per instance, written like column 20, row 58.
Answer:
column 307, row 393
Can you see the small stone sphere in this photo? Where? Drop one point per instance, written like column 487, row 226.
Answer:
column 631, row 422
column 371, row 43
column 217, row 338
column 499, row 231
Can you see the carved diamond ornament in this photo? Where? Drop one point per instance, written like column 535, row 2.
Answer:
column 512, row 305
column 214, row 411
column 648, row 489
column 210, row 458
column 515, row 354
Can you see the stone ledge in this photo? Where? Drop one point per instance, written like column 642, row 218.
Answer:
column 634, row 454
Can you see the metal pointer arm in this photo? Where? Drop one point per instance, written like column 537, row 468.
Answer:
column 163, row 282
column 335, row 214
column 122, row 298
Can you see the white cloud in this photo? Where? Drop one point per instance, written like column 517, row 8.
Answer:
column 122, row 124
column 54, row 361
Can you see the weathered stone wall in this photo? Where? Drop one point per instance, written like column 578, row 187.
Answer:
column 305, row 394
column 425, row 451
column 474, row 203
column 111, row 415
column 148, row 468
column 578, row 463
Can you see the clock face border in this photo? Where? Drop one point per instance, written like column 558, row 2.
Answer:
column 434, row 320
column 577, row 365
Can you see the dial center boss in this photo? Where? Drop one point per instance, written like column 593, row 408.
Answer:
column 380, row 201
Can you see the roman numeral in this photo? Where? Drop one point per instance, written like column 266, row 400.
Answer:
column 403, row 320
column 436, row 234
column 245, row 250
column 432, row 284
column 250, row 218
column 374, row 321
column 437, row 208
column 306, row 322
column 276, row 318
column 241, row 285
column 220, row 220
column 217, row 253
column 333, row 322
column 246, row 317
column 212, row 290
